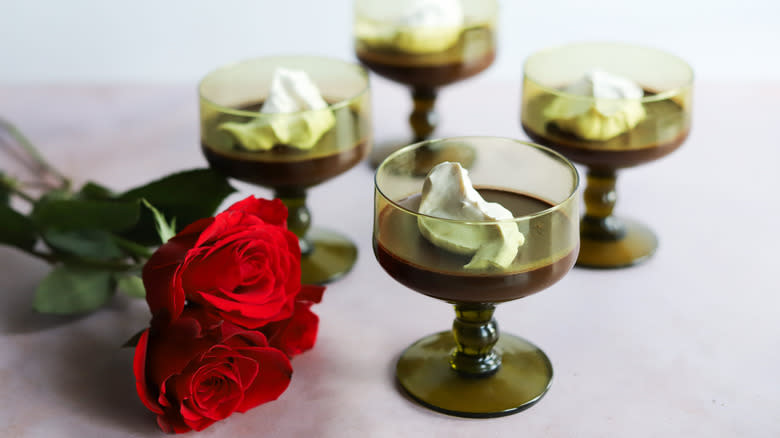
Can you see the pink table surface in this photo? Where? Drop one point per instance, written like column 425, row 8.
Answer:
column 687, row 344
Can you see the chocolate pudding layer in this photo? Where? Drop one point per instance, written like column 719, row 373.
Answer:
column 473, row 53
column 420, row 265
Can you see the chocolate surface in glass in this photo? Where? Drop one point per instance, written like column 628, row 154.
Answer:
column 418, row 264
column 286, row 166
column 663, row 130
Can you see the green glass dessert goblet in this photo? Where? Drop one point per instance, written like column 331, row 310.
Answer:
column 289, row 152
column 473, row 370
column 608, row 132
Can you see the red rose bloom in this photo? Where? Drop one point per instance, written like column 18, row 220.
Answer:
column 198, row 370
column 242, row 264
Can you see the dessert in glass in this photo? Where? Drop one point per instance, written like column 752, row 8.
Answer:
column 503, row 229
column 289, row 123
column 424, row 44
column 608, row 106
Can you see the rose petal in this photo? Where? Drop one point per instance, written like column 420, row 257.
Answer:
column 272, row 379
column 165, row 300
column 226, row 224
column 295, row 334
column 193, row 420
column 310, row 292
column 247, row 315
column 172, row 348
column 273, row 212
column 215, row 391
column 293, row 244
column 247, row 370
column 236, row 337
column 221, row 270
column 169, row 424
column 139, row 369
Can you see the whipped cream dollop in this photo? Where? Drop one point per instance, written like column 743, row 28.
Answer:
column 615, row 109
column 301, row 115
column 448, row 193
column 415, row 26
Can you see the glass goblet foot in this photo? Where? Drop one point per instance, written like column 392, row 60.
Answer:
column 327, row 256
column 524, row 376
column 636, row 244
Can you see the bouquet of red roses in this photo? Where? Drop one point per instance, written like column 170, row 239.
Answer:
column 228, row 312
column 228, row 307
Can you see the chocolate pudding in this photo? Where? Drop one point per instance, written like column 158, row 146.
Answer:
column 338, row 150
column 473, row 53
column 661, row 132
column 412, row 260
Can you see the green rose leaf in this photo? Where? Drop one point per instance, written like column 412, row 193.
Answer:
column 56, row 195
column 16, row 229
column 95, row 244
column 131, row 285
column 94, row 191
column 80, row 214
column 69, row 290
column 131, row 248
column 164, row 229
column 185, row 196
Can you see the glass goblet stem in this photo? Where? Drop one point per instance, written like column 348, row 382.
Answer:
column 298, row 215
column 476, row 333
column 598, row 223
column 423, row 117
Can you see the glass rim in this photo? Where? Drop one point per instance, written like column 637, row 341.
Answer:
column 255, row 114
column 663, row 95
column 549, row 210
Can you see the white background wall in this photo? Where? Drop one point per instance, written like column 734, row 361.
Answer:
column 180, row 40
